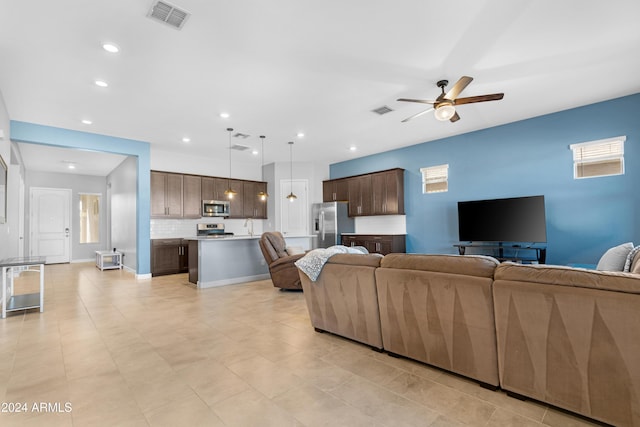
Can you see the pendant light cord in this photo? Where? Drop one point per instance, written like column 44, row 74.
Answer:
column 229, row 179
column 291, row 196
column 262, row 137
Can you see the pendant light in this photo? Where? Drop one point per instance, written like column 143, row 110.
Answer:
column 262, row 195
column 291, row 196
column 229, row 192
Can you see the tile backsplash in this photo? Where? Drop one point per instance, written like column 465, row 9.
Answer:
column 179, row 228
column 382, row 224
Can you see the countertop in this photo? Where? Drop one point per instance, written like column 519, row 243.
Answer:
column 374, row 234
column 234, row 237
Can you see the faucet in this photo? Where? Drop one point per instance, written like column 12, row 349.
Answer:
column 249, row 224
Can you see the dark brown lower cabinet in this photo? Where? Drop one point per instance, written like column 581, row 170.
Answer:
column 169, row 256
column 377, row 243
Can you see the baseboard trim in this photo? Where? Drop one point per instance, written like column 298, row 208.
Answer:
column 233, row 281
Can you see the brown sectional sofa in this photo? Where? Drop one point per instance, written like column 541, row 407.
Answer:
column 438, row 309
column 571, row 338
column 344, row 300
column 565, row 336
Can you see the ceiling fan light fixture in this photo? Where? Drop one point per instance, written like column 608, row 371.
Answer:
column 444, row 111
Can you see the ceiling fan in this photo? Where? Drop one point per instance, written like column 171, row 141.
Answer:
column 444, row 105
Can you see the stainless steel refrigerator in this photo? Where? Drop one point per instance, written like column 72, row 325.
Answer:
column 329, row 220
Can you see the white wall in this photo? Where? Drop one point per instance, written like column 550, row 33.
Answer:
column 243, row 166
column 121, row 199
column 16, row 197
column 78, row 184
column 275, row 172
column 9, row 231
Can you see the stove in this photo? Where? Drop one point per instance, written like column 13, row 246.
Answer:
column 212, row 231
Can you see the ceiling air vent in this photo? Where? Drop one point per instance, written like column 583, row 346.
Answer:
column 239, row 147
column 169, row 14
column 382, row 110
column 241, row 135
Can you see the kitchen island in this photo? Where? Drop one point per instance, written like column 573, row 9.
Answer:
column 225, row 261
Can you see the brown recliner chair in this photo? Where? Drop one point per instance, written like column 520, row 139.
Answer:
column 284, row 273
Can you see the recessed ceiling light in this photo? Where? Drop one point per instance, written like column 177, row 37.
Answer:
column 86, row 122
column 255, row 152
column 186, row 139
column 224, row 115
column 111, row 48
column 101, row 83
column 300, row 135
column 353, row 148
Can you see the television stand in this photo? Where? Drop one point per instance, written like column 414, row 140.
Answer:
column 533, row 253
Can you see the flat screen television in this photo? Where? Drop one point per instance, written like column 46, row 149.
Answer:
column 516, row 219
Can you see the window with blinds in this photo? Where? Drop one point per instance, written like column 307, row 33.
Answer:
column 598, row 158
column 435, row 179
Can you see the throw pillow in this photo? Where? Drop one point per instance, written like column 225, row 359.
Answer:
column 632, row 255
column 635, row 265
column 294, row 250
column 614, row 258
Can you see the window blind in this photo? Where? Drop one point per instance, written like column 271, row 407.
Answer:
column 435, row 179
column 598, row 158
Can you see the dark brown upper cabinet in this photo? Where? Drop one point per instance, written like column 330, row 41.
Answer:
column 377, row 193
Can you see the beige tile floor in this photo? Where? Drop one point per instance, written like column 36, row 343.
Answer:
column 112, row 351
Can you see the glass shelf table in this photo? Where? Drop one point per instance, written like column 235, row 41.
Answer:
column 15, row 302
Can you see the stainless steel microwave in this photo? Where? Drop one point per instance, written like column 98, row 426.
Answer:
column 215, row 208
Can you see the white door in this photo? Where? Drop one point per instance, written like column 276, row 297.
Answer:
column 50, row 224
column 294, row 215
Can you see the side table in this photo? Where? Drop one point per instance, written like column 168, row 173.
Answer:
column 11, row 302
column 108, row 260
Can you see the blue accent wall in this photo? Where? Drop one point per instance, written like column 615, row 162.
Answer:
column 47, row 135
column 585, row 217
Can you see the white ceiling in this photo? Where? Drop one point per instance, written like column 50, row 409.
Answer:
column 288, row 66
column 81, row 162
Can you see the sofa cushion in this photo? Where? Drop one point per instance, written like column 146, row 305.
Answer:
column 614, row 258
column 366, row 260
column 470, row 265
column 567, row 276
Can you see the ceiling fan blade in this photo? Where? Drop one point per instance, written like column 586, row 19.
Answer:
column 421, row 101
column 454, row 118
column 416, row 115
column 458, row 87
column 480, row 98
